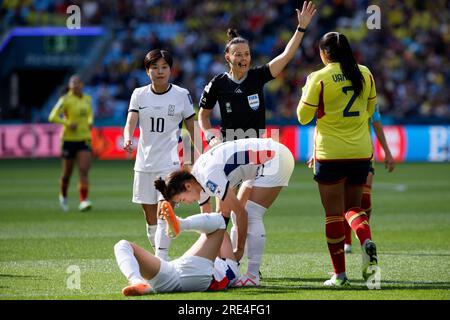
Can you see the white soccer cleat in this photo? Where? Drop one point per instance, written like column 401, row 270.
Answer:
column 336, row 281
column 247, row 280
column 369, row 258
column 63, row 203
column 347, row 248
column 85, row 205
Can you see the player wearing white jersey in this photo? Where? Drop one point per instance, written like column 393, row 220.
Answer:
column 160, row 108
column 160, row 118
column 199, row 269
column 267, row 164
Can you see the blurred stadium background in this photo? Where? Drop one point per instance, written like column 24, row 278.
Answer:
column 409, row 56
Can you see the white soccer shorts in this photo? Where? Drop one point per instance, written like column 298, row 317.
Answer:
column 183, row 274
column 276, row 172
column 144, row 191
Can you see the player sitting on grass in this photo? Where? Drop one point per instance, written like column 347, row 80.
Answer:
column 199, row 269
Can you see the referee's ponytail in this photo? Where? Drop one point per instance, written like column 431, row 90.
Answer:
column 233, row 38
column 337, row 49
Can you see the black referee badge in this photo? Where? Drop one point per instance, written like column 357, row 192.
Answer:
column 171, row 111
column 228, row 107
column 253, row 101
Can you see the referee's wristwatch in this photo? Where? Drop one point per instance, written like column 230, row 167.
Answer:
column 209, row 137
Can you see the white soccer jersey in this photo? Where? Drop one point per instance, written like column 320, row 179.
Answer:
column 228, row 164
column 160, row 121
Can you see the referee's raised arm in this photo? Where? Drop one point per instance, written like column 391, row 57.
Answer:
column 304, row 18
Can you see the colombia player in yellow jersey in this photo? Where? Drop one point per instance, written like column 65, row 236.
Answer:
column 74, row 111
column 389, row 163
column 343, row 96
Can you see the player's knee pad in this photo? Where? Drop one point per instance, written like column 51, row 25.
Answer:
column 255, row 214
column 255, row 211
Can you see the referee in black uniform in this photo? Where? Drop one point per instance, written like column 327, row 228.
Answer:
column 239, row 92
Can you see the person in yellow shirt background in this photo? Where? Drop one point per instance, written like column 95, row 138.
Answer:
column 343, row 96
column 74, row 111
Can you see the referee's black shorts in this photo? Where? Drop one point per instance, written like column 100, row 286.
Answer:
column 70, row 149
column 331, row 172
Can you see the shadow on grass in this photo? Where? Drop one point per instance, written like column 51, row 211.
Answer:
column 2, row 275
column 412, row 254
column 355, row 285
column 270, row 286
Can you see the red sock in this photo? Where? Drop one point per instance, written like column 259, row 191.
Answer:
column 366, row 203
column 335, row 233
column 348, row 233
column 357, row 219
column 63, row 186
column 83, row 190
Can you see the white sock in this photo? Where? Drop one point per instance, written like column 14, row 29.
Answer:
column 203, row 223
column 127, row 262
column 256, row 236
column 151, row 231
column 233, row 231
column 162, row 241
column 234, row 235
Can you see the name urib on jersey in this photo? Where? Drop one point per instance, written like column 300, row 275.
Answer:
column 160, row 121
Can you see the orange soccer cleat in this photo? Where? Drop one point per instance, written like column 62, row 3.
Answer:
column 173, row 225
column 137, row 289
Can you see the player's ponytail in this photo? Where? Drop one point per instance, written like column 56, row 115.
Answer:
column 160, row 185
column 337, row 49
column 174, row 183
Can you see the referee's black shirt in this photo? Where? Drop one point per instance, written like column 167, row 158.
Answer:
column 241, row 102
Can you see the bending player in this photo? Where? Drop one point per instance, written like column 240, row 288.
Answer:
column 265, row 163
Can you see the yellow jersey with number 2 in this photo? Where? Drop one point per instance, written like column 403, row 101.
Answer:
column 342, row 128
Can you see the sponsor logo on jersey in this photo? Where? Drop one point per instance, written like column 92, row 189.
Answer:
column 238, row 90
column 211, row 186
column 171, row 111
column 141, row 108
column 253, row 101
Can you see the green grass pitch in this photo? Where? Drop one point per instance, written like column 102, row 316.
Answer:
column 39, row 244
